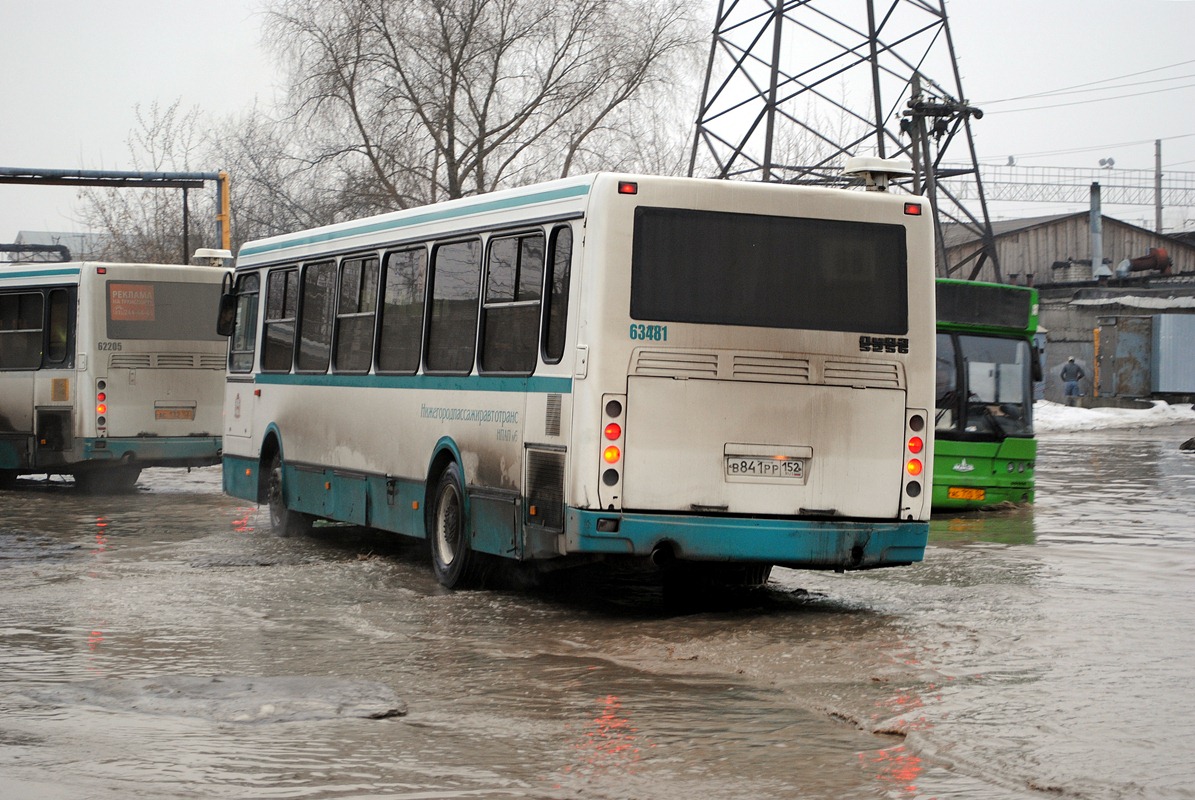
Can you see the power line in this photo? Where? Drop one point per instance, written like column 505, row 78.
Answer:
column 1094, row 100
column 1091, row 83
column 1063, row 92
column 1098, row 147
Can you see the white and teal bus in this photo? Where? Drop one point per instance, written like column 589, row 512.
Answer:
column 106, row 369
column 698, row 372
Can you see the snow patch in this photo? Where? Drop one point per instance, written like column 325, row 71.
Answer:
column 1048, row 416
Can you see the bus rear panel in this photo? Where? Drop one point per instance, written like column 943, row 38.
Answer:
column 123, row 370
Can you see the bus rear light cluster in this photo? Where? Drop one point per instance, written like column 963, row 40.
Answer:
column 612, row 441
column 914, row 445
column 101, row 405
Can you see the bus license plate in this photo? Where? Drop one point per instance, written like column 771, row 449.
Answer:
column 963, row 493
column 174, row 413
column 755, row 467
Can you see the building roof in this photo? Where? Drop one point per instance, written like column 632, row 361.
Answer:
column 81, row 245
column 955, row 235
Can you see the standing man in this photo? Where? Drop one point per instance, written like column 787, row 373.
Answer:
column 1071, row 374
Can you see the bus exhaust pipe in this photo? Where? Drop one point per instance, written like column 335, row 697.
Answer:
column 663, row 555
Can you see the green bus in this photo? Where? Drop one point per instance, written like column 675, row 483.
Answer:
column 984, row 449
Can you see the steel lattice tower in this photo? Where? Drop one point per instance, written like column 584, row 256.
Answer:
column 794, row 87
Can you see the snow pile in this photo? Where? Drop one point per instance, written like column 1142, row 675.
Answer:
column 1049, row 416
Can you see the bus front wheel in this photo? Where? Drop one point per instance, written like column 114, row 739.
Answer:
column 454, row 562
column 284, row 521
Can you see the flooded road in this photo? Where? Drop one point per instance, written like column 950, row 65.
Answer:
column 164, row 645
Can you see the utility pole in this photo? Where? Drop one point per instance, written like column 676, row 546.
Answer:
column 1157, row 185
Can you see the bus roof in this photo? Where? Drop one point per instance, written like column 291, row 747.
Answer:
column 359, row 232
column 557, row 199
column 70, row 271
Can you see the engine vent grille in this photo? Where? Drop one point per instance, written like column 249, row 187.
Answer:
column 545, row 488
column 779, row 369
column 767, row 367
column 862, row 374
column 552, row 416
column 672, row 363
column 166, row 361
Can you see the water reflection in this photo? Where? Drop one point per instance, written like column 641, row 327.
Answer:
column 896, row 769
column 1000, row 526
column 609, row 744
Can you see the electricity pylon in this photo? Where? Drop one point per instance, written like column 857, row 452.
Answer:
column 794, row 87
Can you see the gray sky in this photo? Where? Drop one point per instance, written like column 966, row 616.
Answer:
column 74, row 71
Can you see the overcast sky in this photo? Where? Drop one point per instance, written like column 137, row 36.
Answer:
column 75, row 70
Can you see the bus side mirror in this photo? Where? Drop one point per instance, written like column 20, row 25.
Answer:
column 227, row 318
column 1035, row 364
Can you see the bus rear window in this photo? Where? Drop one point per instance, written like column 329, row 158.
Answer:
column 162, row 310
column 983, row 304
column 720, row 268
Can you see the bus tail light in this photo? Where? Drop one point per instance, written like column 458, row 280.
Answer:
column 101, row 406
column 613, row 437
column 914, row 447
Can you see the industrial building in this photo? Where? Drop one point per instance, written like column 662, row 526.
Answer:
column 1129, row 322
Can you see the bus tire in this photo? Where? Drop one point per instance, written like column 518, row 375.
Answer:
column 107, row 480
column 283, row 521
column 454, row 562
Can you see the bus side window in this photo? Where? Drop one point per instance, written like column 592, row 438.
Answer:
column 947, row 402
column 244, row 333
column 355, row 313
column 315, row 317
column 21, row 330
column 278, row 340
column 560, row 257
column 401, row 331
column 452, row 323
column 59, row 323
column 510, row 322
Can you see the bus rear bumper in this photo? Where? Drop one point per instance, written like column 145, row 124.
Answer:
column 797, row 543
column 155, row 451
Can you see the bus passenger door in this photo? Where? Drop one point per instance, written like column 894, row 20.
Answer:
column 16, row 418
column 21, row 329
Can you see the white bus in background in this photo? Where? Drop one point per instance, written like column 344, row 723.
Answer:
column 715, row 375
column 106, row 369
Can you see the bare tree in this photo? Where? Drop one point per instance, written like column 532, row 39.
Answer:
column 423, row 100
column 147, row 224
column 396, row 103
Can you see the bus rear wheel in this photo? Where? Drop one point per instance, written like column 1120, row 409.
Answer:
column 283, row 521
column 107, row 480
column 455, row 564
